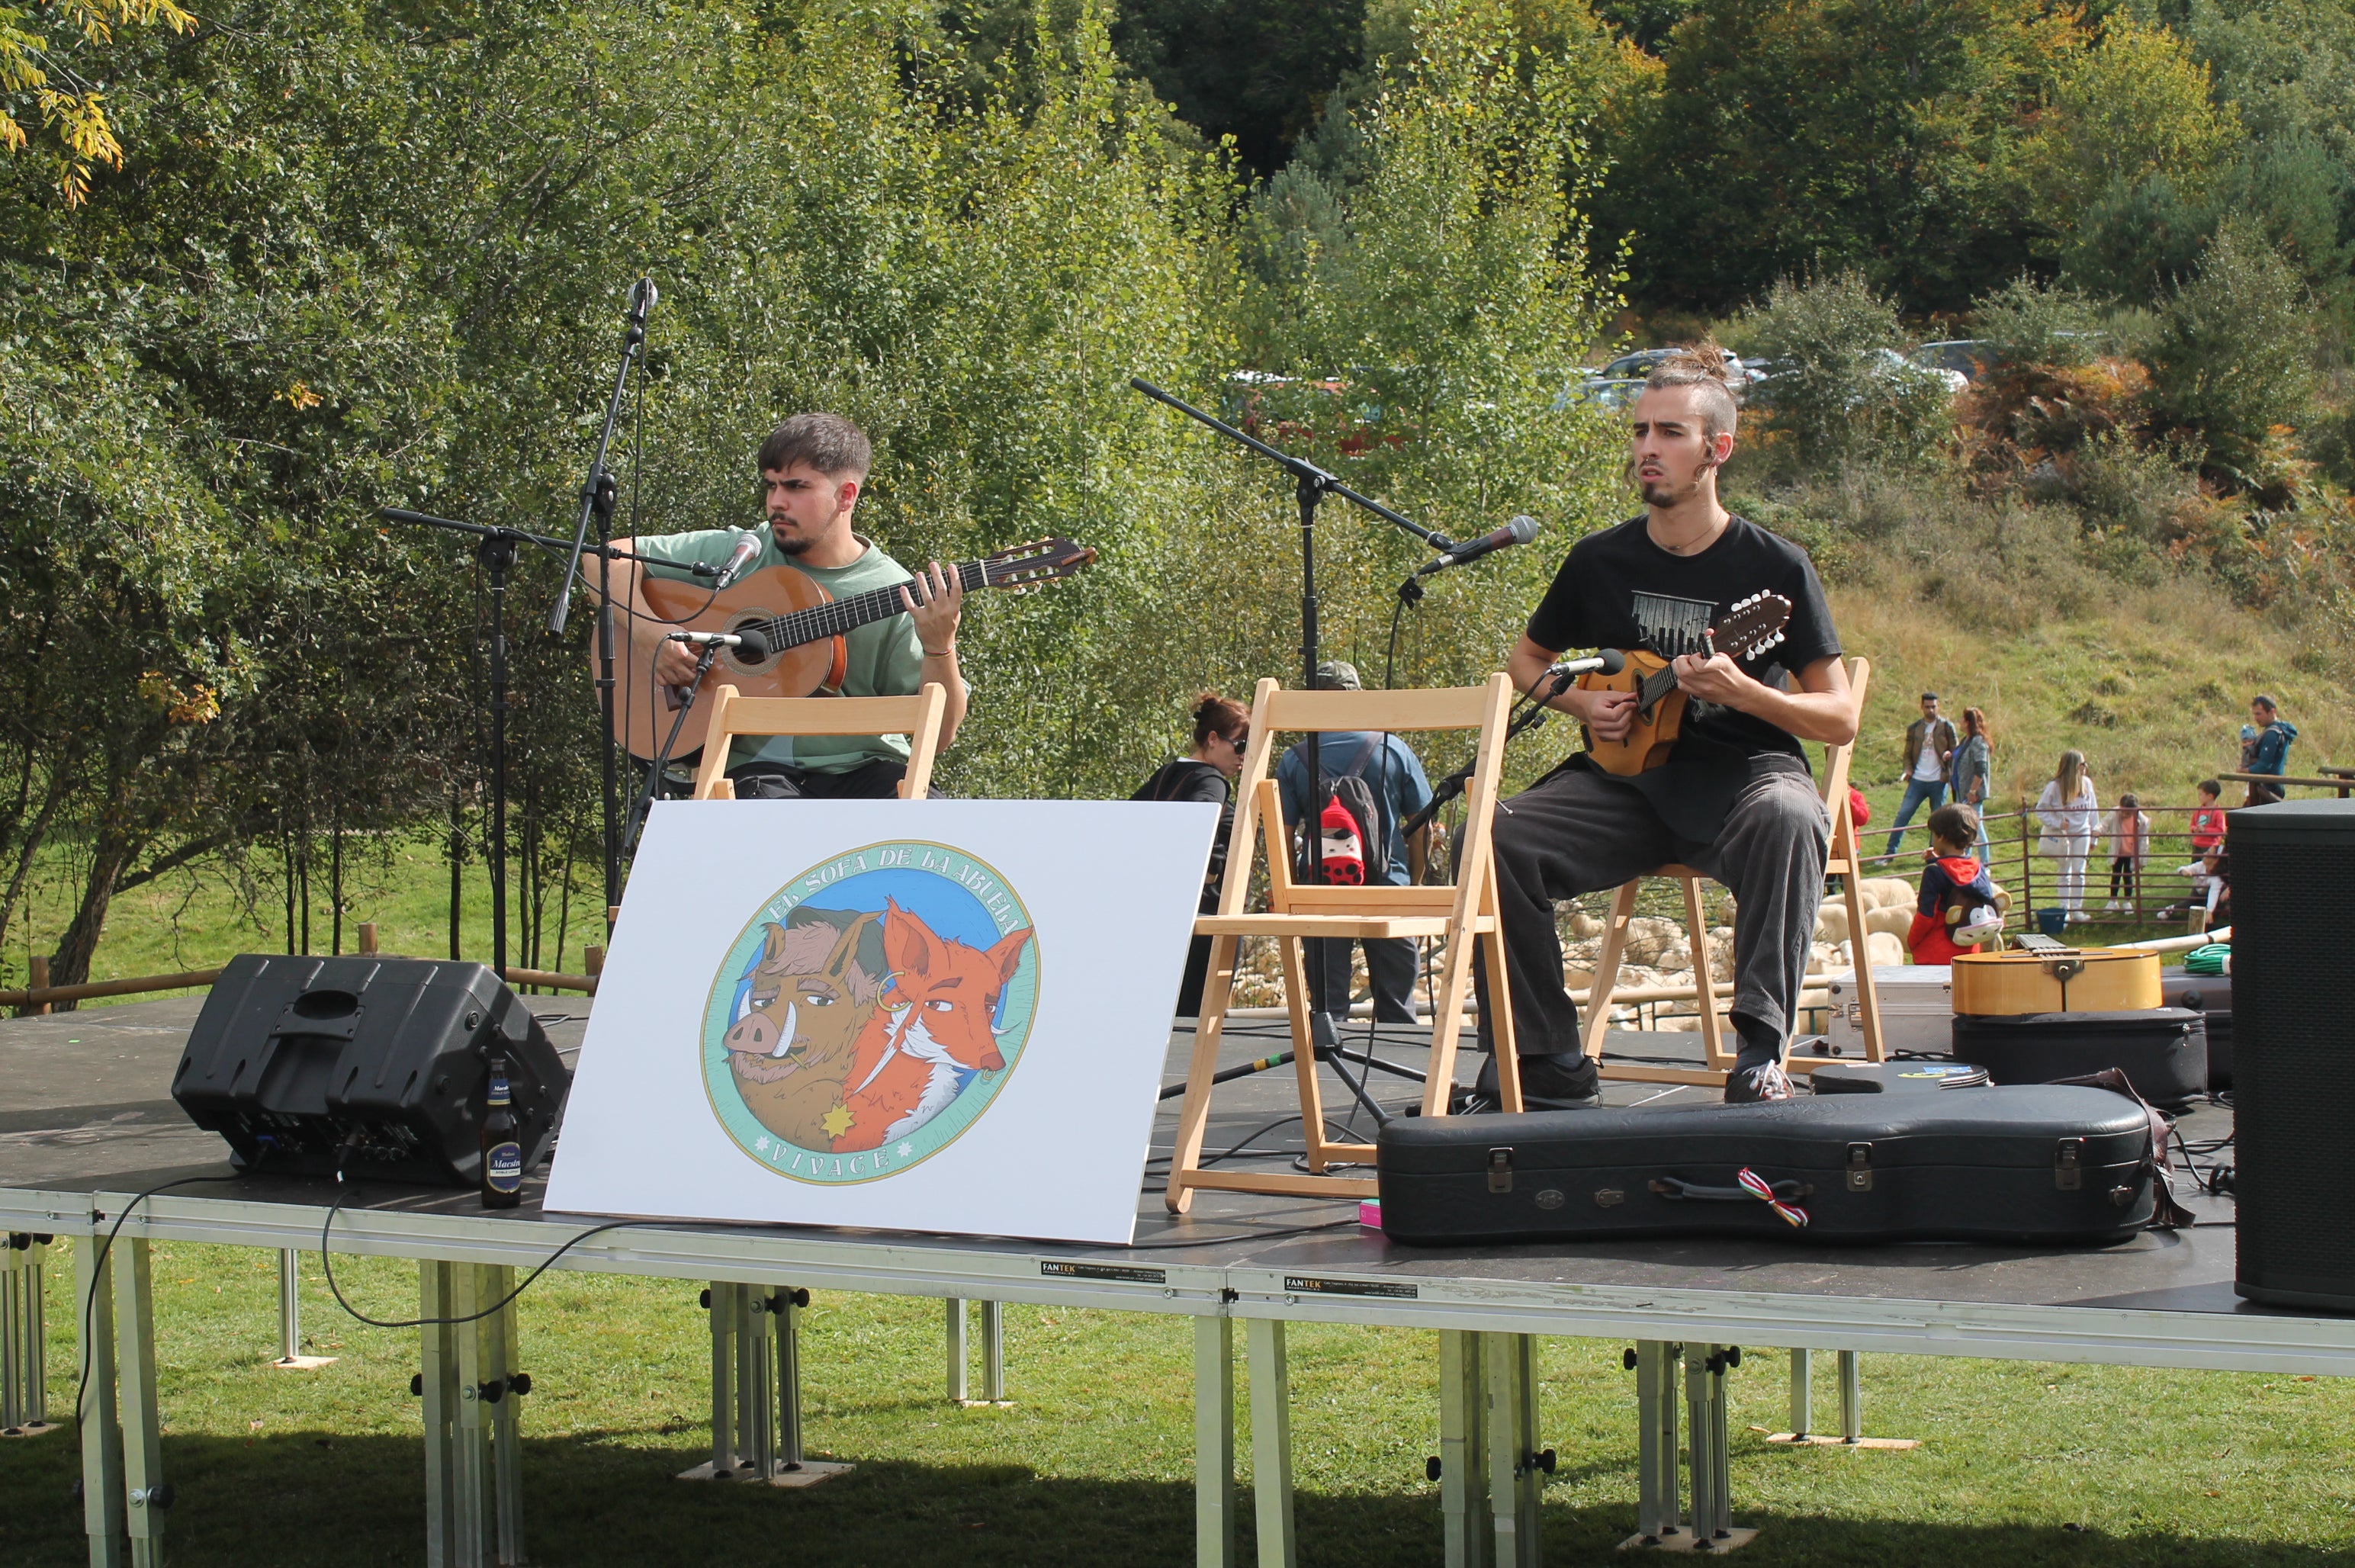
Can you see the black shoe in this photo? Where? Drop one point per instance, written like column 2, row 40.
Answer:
column 1566, row 1082
column 1749, row 1085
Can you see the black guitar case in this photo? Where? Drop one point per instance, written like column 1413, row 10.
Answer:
column 2163, row 1051
column 2039, row 1163
column 2210, row 996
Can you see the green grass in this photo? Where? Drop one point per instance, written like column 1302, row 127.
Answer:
column 2021, row 1463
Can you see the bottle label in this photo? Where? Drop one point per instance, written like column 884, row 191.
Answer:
column 503, row 1167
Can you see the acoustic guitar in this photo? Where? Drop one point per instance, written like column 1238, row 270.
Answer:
column 801, row 624
column 1749, row 629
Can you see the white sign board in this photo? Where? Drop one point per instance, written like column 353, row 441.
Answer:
column 945, row 1016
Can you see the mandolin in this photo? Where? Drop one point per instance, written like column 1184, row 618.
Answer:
column 801, row 624
column 1749, row 629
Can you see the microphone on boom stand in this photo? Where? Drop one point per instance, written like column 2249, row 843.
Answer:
column 1521, row 530
column 747, row 550
column 748, row 642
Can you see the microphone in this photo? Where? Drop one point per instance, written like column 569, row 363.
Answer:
column 642, row 300
column 748, row 643
column 748, row 546
column 1602, row 661
column 1521, row 530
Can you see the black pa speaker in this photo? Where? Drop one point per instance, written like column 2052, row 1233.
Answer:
column 377, row 1067
column 2293, row 870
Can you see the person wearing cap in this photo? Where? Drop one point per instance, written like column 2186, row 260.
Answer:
column 1394, row 774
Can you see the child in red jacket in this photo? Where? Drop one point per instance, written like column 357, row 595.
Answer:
column 1960, row 907
column 2208, row 822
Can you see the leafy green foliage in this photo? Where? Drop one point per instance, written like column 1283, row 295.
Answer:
column 1836, row 392
column 2234, row 356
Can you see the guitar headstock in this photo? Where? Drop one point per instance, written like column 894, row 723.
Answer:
column 1751, row 627
column 1033, row 564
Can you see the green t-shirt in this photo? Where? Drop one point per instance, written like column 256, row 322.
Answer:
column 885, row 658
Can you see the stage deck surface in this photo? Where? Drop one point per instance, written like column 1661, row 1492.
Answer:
column 85, row 1106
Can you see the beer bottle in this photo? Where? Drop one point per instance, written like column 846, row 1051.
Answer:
column 501, row 1152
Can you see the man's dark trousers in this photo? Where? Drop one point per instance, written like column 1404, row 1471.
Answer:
column 878, row 779
column 1577, row 831
column 1389, row 967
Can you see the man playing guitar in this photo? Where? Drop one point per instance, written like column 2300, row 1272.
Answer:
column 1734, row 799
column 814, row 467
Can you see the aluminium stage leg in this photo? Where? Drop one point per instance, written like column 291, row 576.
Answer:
column 1465, row 1522
column 1214, row 1443
column 144, row 1488
column 756, row 1388
column 1803, row 1394
column 438, row 1387
column 720, row 1302
column 789, row 1381
column 958, row 1388
column 1270, row 1418
column 23, row 1340
column 1702, row 1429
column 1659, row 1518
column 1516, row 1480
column 499, row 1355
column 102, row 1432
column 470, row 1445
column 290, row 1318
column 993, row 1352
column 1851, row 1398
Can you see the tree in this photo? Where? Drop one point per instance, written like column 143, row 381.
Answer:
column 55, row 79
column 2234, row 358
column 1825, row 134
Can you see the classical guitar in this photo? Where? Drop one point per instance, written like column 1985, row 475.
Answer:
column 800, row 622
column 1749, row 629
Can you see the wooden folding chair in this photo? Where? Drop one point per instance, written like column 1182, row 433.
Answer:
column 1461, row 914
column 917, row 717
column 1717, row 1059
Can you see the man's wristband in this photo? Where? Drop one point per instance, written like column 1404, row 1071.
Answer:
column 938, row 653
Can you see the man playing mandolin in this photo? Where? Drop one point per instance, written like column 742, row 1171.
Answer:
column 1732, row 797
column 814, row 467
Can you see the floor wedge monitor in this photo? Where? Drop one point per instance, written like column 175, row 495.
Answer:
column 377, row 1067
column 2293, row 881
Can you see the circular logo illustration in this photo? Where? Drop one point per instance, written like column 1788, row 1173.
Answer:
column 871, row 1012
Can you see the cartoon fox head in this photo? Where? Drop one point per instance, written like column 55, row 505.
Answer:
column 946, row 990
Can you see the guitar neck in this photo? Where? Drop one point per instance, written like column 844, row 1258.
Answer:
column 836, row 616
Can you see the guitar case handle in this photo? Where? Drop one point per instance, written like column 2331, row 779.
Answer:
column 1677, row 1189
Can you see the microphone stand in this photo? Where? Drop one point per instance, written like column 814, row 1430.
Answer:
column 1451, row 786
column 495, row 548
column 597, row 495
column 642, row 807
column 1311, row 485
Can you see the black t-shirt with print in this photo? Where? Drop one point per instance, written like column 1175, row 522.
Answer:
column 1618, row 590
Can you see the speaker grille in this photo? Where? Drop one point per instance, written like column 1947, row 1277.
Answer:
column 2293, row 870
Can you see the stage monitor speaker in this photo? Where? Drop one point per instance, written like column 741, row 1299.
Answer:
column 377, row 1067
column 2293, row 880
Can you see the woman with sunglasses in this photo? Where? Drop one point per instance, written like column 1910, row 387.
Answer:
column 1222, row 731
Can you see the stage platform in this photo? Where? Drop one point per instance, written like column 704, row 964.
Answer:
column 86, row 1120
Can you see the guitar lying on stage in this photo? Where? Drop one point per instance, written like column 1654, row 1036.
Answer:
column 1749, row 629
column 800, row 622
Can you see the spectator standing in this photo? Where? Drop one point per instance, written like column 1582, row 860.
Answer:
column 2066, row 811
column 1929, row 753
column 2208, row 821
column 2265, row 748
column 1973, row 773
column 1394, row 773
column 1222, row 731
column 2128, row 828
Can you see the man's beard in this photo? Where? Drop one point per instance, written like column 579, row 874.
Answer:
column 789, row 544
column 1660, row 492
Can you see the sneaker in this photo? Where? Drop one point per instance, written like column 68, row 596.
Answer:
column 1566, row 1082
column 1749, row 1085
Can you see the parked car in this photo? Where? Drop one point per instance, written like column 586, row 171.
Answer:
column 1611, row 392
column 1963, row 357
column 1642, row 361
column 1896, row 367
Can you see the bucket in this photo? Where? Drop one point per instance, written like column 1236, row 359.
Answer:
column 2053, row 923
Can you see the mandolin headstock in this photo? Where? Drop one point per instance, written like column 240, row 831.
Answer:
column 1751, row 627
column 1034, row 564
